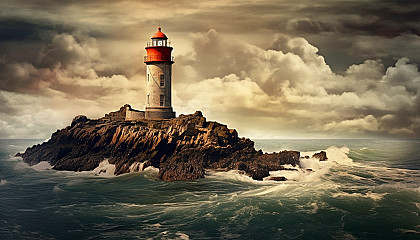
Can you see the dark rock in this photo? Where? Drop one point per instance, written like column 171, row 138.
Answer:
column 182, row 148
column 322, row 156
column 258, row 172
column 198, row 113
column 278, row 178
column 78, row 119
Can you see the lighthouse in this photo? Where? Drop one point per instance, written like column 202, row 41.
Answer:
column 159, row 77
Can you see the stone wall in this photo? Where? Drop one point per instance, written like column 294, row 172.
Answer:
column 117, row 115
column 125, row 113
column 133, row 115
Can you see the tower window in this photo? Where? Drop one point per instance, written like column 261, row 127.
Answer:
column 148, row 76
column 162, row 80
column 162, row 100
column 148, row 100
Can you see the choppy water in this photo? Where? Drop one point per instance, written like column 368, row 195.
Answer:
column 368, row 189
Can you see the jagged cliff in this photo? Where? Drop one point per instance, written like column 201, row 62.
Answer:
column 182, row 148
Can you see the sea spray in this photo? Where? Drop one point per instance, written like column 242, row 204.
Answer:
column 136, row 167
column 42, row 166
column 105, row 169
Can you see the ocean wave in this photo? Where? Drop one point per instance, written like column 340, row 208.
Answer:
column 276, row 189
column 130, row 205
column 14, row 158
column 231, row 175
column 372, row 195
column 369, row 149
column 105, row 169
column 43, row 165
column 410, row 231
column 26, row 210
column 385, row 176
column 410, row 187
column 170, row 235
column 314, row 177
column 310, row 207
column 57, row 189
column 182, row 236
column 310, row 169
column 3, row 182
column 335, row 154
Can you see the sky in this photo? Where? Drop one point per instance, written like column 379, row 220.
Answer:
column 270, row 69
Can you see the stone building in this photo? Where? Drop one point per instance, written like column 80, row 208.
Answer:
column 126, row 113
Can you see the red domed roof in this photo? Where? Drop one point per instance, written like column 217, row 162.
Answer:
column 159, row 34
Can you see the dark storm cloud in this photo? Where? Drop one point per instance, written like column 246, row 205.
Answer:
column 384, row 18
column 35, row 56
column 18, row 30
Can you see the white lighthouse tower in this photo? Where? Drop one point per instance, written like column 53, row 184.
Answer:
column 159, row 77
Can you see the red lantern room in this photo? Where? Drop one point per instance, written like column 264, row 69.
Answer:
column 159, row 49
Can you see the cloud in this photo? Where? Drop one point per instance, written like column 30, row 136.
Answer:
column 293, row 83
column 368, row 123
column 63, row 81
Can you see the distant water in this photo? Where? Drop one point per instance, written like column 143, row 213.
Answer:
column 368, row 189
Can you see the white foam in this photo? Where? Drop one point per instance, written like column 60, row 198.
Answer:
column 21, row 165
column 409, row 231
column 131, row 205
column 334, row 154
column 310, row 207
column 137, row 167
column 369, row 194
column 232, row 175
column 43, row 165
column 14, row 158
column 267, row 190
column 56, row 188
column 3, row 182
column 310, row 169
column 151, row 173
column 105, row 169
column 412, row 187
column 151, row 170
column 300, row 175
column 183, row 236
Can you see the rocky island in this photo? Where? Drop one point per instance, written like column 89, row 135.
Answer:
column 182, row 148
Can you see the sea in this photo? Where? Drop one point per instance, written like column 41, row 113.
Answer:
column 367, row 189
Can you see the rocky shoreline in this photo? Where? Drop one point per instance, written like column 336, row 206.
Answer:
column 182, row 148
